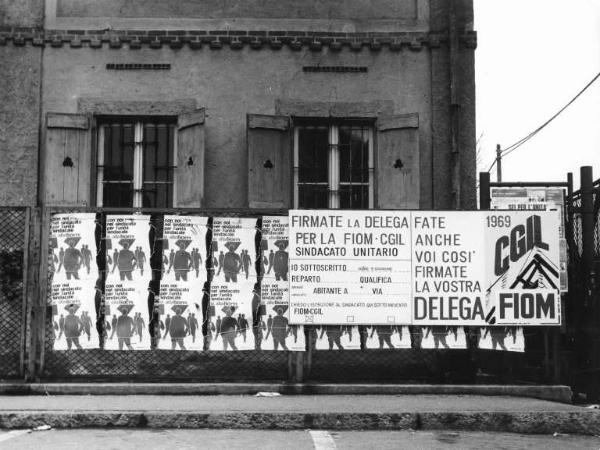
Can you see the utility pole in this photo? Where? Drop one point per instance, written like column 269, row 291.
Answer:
column 498, row 163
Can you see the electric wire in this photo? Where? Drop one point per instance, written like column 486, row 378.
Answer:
column 511, row 148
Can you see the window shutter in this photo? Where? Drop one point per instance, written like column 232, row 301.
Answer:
column 398, row 184
column 189, row 175
column 269, row 161
column 68, row 164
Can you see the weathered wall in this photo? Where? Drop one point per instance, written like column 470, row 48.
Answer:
column 19, row 114
column 21, row 13
column 230, row 84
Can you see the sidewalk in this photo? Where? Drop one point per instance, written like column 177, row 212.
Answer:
column 296, row 412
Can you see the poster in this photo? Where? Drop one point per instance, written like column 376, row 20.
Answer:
column 427, row 268
column 448, row 271
column 128, row 275
column 335, row 337
column 522, row 268
column 536, row 199
column 274, row 329
column 350, row 267
column 388, row 337
column 443, row 337
column 502, row 338
column 234, row 290
column 74, row 296
column 182, row 281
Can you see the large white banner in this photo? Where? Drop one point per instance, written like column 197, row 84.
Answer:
column 234, row 291
column 350, row 267
column 76, row 289
column 182, row 281
column 438, row 268
column 274, row 330
column 128, row 275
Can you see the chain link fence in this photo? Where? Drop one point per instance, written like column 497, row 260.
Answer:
column 13, row 238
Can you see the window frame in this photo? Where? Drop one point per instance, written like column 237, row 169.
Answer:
column 138, row 121
column 333, row 182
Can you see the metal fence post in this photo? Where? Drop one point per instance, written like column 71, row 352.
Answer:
column 587, row 259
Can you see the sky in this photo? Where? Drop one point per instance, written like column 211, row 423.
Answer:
column 532, row 58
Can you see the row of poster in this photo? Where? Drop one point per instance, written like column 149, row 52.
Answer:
column 259, row 282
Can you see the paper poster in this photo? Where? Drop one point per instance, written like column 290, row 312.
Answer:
column 388, row 337
column 182, row 281
column 443, row 337
column 274, row 330
column 536, row 199
column 522, row 268
column 335, row 337
column 234, row 290
column 509, row 339
column 350, row 267
column 74, row 295
column 448, row 271
column 128, row 275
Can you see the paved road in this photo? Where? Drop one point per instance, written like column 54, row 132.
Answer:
column 258, row 439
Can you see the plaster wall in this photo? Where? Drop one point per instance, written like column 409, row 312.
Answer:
column 230, row 84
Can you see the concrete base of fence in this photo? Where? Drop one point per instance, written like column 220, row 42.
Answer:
column 554, row 393
column 331, row 412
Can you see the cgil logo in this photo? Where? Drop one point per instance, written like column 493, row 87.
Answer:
column 521, row 239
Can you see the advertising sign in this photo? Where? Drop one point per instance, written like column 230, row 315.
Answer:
column 438, row 268
column 74, row 295
column 522, row 268
column 274, row 331
column 128, row 275
column 447, row 267
column 182, row 281
column 350, row 267
column 234, row 291
column 536, row 199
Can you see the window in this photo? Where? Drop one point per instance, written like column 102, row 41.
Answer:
column 135, row 162
column 333, row 165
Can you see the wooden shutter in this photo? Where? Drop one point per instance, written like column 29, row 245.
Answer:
column 398, row 185
column 68, row 159
column 189, row 175
column 269, row 144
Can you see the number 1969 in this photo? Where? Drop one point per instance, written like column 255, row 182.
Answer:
column 498, row 221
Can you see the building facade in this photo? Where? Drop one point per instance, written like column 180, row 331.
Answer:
column 236, row 105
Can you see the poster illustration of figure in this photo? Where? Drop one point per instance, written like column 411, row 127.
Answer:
column 336, row 337
column 443, row 337
column 232, row 291
column 181, row 285
column 388, row 337
column 509, row 339
column 126, row 286
column 274, row 330
column 72, row 293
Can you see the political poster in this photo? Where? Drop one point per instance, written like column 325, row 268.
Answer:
column 335, row 337
column 182, row 281
column 350, row 267
column 388, row 337
column 536, row 199
column 75, row 289
column 128, row 275
column 443, row 337
column 522, row 268
column 234, row 290
column 274, row 330
column 509, row 339
column 447, row 268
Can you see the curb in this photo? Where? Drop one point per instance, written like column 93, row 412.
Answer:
column 556, row 393
column 534, row 422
